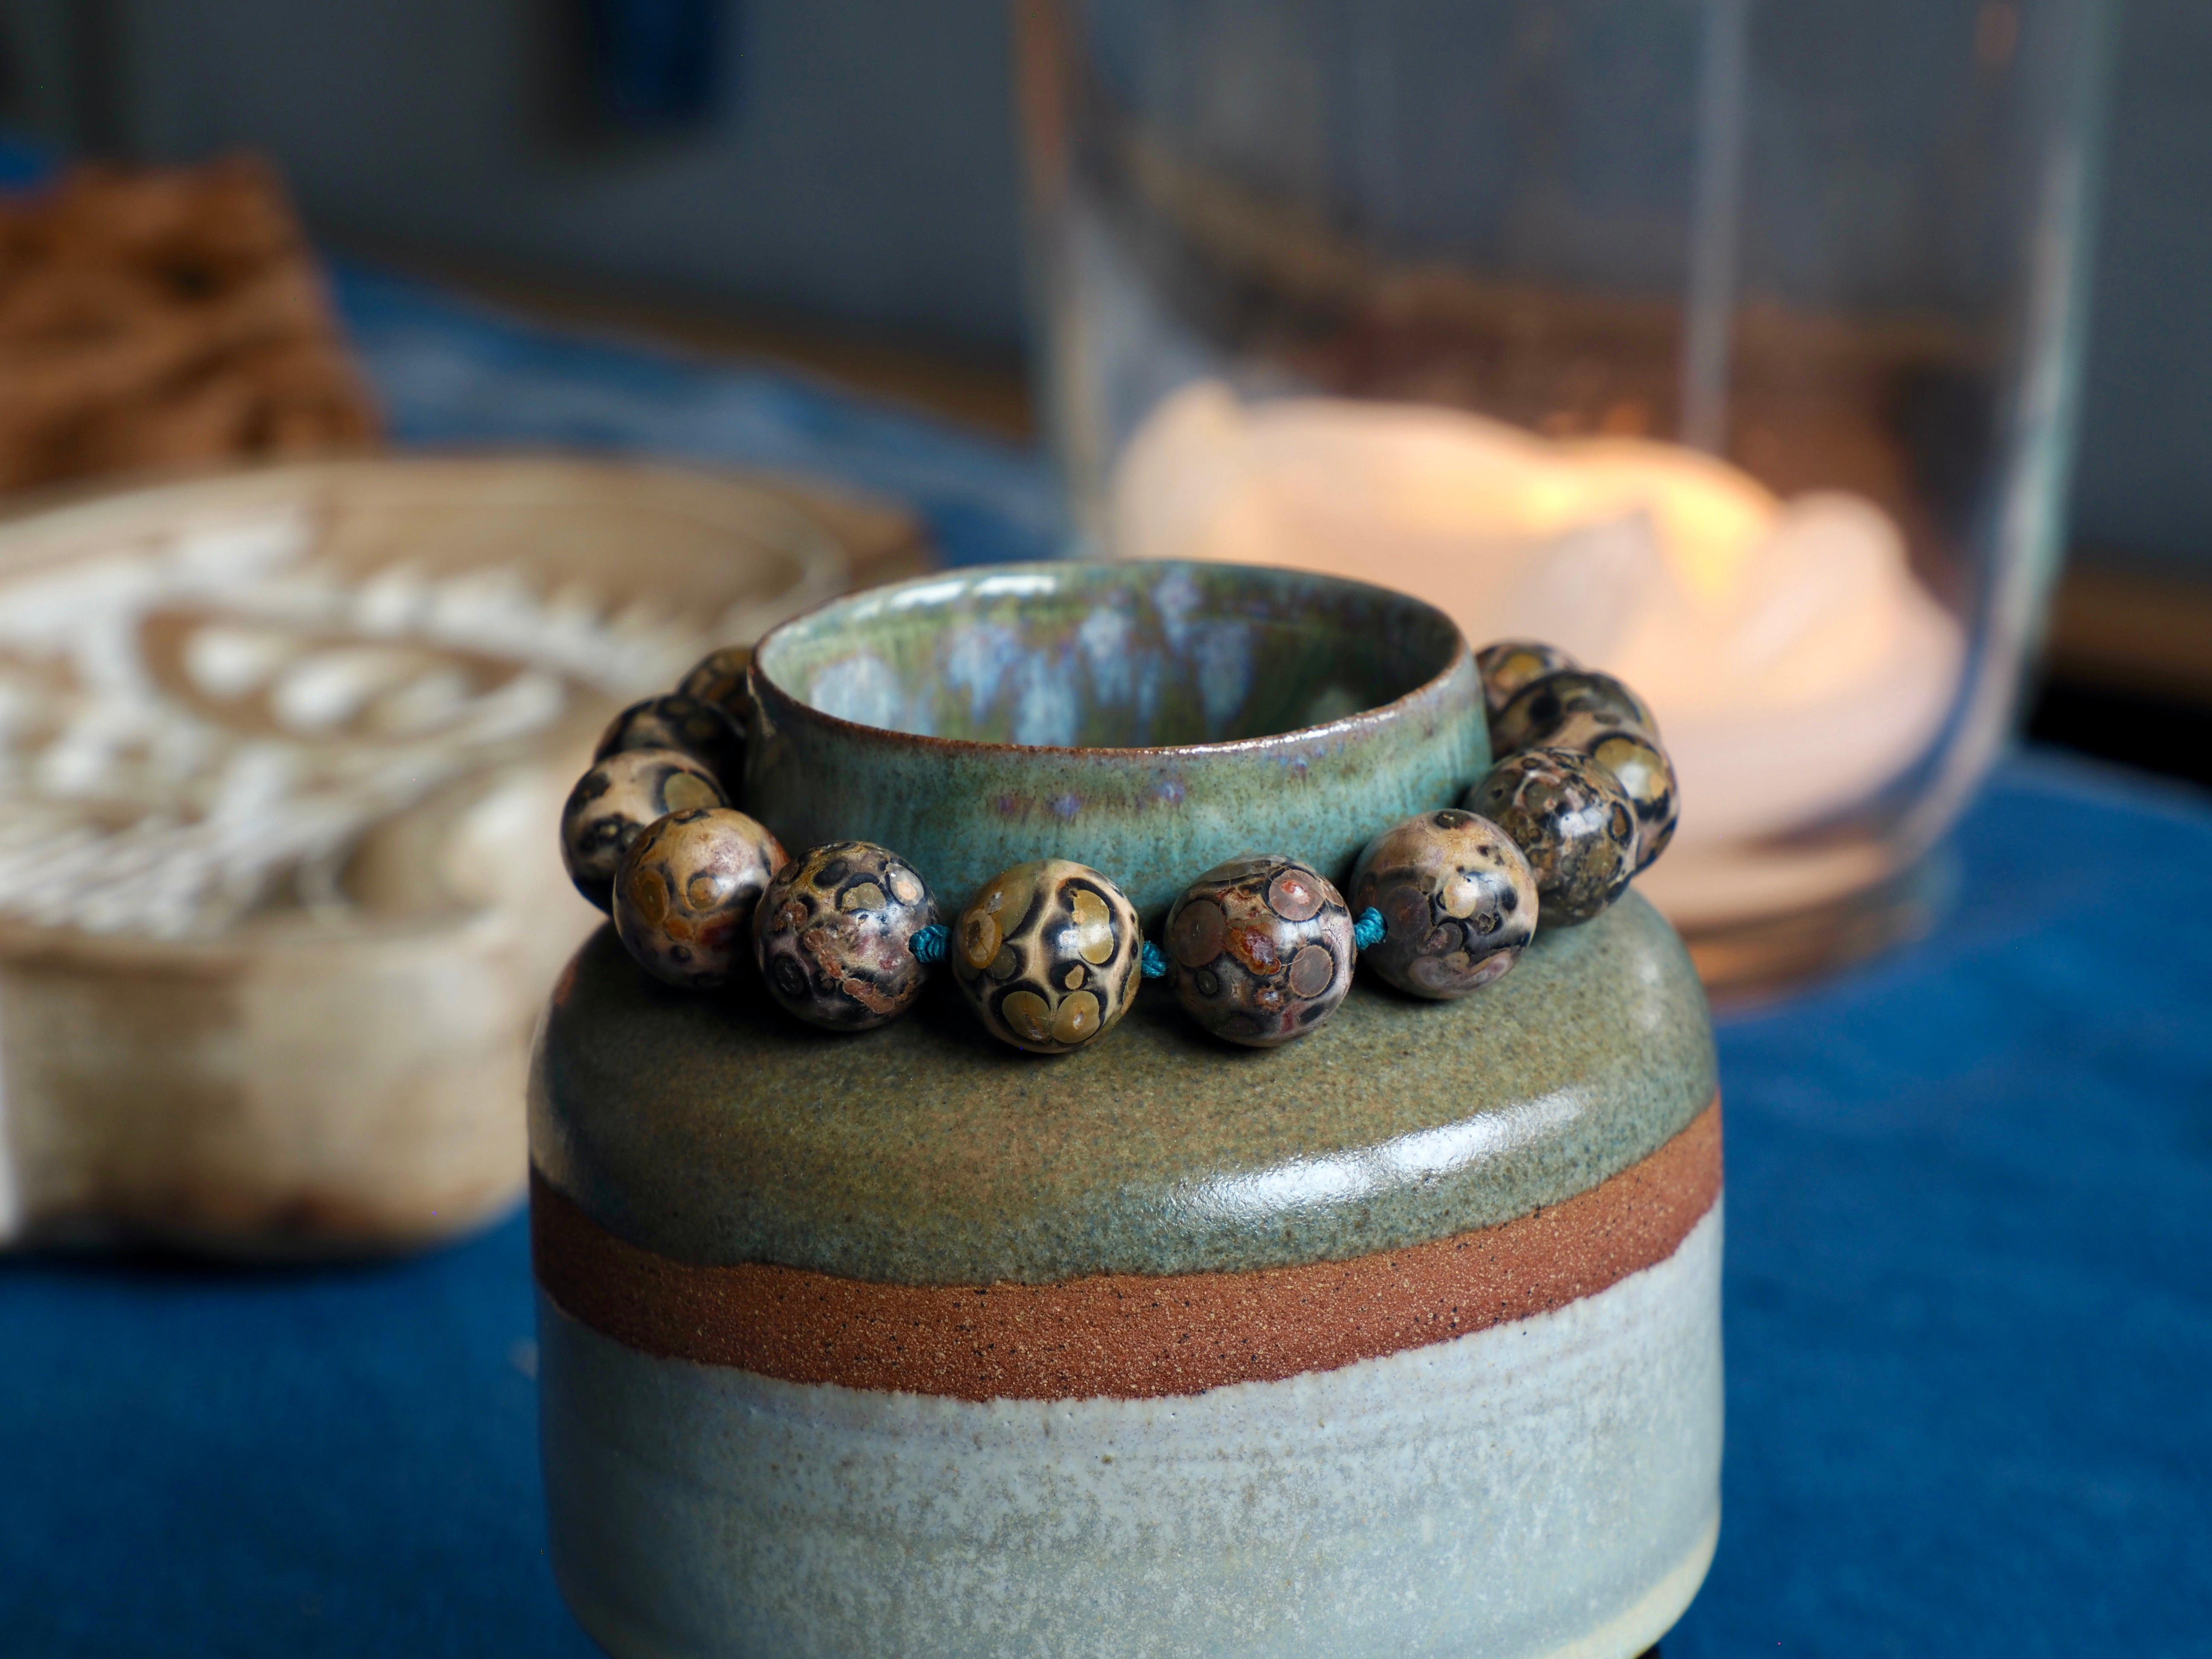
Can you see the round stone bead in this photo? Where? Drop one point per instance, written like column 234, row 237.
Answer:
column 1539, row 707
column 1509, row 665
column 613, row 802
column 834, row 935
column 1638, row 763
column 719, row 678
column 1048, row 954
column 684, row 895
column 677, row 721
column 1458, row 903
column 1571, row 820
column 1259, row 950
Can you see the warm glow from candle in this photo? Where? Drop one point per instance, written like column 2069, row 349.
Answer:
column 1793, row 661
column 1710, row 515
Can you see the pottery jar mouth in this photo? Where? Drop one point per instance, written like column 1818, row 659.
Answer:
column 1131, row 657
column 1148, row 719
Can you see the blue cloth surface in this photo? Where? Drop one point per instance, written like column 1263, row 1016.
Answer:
column 1968, row 1283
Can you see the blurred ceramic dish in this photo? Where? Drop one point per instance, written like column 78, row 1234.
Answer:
column 277, row 748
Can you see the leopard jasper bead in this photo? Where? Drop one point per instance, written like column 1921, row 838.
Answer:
column 1540, row 705
column 1571, row 820
column 675, row 722
column 1259, row 950
column 1509, row 664
column 1048, row 954
column 1638, row 764
column 613, row 802
column 1458, row 903
column 719, row 678
column 834, row 935
column 684, row 895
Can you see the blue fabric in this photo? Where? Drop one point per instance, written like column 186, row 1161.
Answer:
column 1969, row 1290
column 1968, row 1280
column 656, row 65
column 24, row 163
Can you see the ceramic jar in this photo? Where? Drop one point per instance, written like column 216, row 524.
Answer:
column 1400, row 1339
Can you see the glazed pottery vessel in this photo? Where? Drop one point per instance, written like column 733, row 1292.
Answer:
column 1401, row 1339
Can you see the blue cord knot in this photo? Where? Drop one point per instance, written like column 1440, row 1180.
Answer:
column 1367, row 932
column 930, row 943
column 1154, row 961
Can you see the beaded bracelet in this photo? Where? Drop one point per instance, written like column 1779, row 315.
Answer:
column 1048, row 954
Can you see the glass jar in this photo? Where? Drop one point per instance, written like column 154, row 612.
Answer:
column 1731, row 347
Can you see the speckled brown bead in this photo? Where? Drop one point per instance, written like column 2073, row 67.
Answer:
column 613, row 802
column 834, row 935
column 1048, row 954
column 675, row 722
column 1458, row 902
column 684, row 895
column 1509, row 665
column 1540, row 705
column 1259, row 950
column 719, row 678
column 1638, row 763
column 1571, row 820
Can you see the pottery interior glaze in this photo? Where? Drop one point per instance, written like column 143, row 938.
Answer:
column 1402, row 1339
column 1149, row 721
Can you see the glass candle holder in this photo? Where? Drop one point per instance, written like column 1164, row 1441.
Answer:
column 1730, row 346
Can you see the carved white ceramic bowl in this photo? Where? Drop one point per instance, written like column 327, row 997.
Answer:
column 279, row 750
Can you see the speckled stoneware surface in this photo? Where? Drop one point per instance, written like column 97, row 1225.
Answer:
column 718, row 1130
column 1148, row 720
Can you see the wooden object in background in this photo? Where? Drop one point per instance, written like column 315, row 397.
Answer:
column 152, row 317
column 280, row 892
column 2132, row 630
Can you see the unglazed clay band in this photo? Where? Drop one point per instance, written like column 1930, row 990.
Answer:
column 1124, row 1335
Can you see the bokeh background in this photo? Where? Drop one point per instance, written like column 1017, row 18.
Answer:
column 837, row 184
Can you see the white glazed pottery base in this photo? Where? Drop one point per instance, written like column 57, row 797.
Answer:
column 1544, row 1488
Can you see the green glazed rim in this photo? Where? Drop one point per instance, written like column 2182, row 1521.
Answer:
column 1150, row 720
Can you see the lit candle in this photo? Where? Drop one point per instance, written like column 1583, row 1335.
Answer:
column 1794, row 663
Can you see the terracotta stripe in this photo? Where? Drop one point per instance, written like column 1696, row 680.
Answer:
column 1123, row 1334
